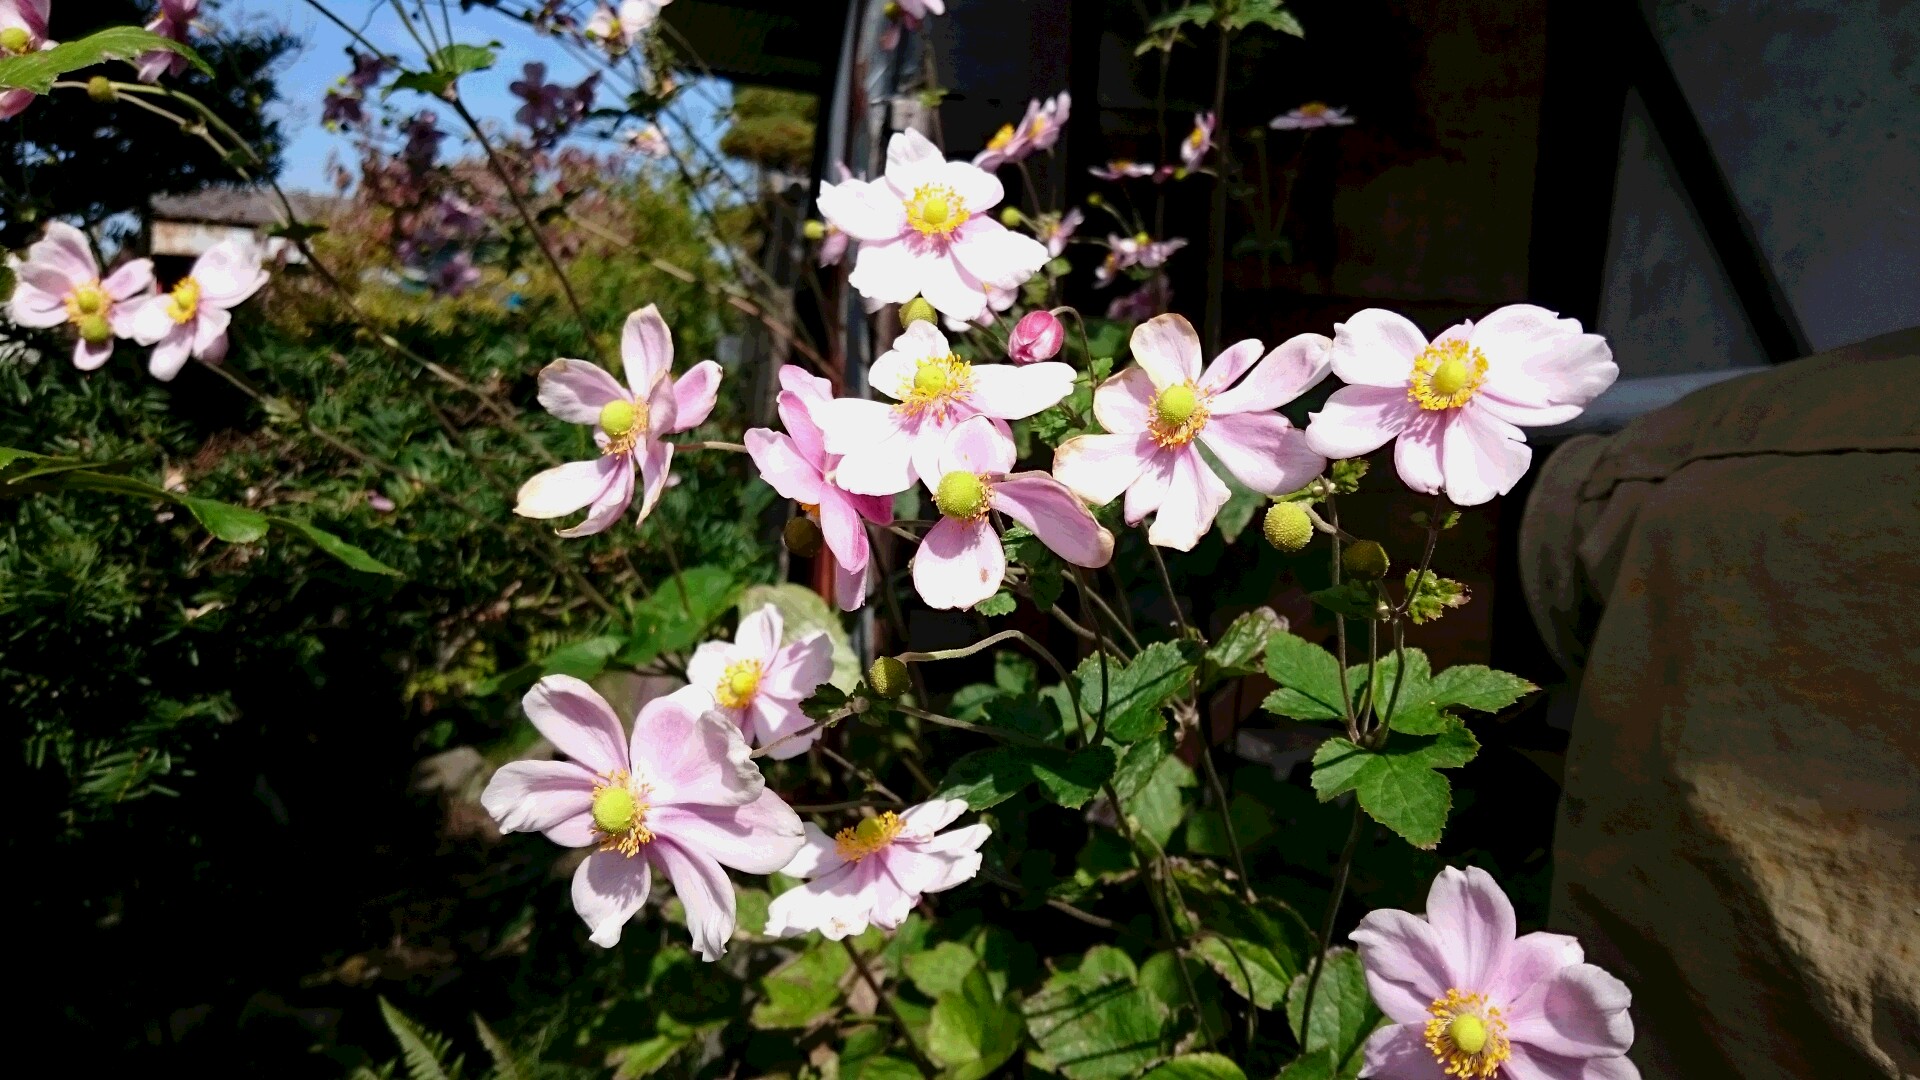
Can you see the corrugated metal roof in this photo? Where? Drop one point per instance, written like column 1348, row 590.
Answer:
column 240, row 206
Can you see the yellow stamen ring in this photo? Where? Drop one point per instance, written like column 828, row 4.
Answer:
column 936, row 210
column 856, row 842
column 738, row 683
column 1446, row 375
column 1467, row 1036
column 620, row 814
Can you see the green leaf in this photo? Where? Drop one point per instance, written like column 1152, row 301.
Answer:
column 355, row 557
column 1137, row 691
column 1397, row 785
column 1353, row 599
column 1314, row 1065
column 803, row 612
column 797, row 992
column 1162, row 802
column 506, row 1064
column 1343, row 1011
column 646, row 1058
column 970, row 1032
column 424, row 1052
column 986, row 778
column 1070, row 780
column 1309, row 679
column 1412, row 713
column 9, row 455
column 1142, row 760
column 37, row 71
column 1473, row 686
column 941, row 969
column 668, row 621
column 1000, row 603
column 1198, row 1067
column 1256, row 947
column 1197, row 14
column 1263, row 13
column 459, row 59
column 581, row 659
column 1093, row 1021
column 1241, row 647
column 234, row 524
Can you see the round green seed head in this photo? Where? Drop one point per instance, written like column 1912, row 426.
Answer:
column 802, row 537
column 613, row 810
column 960, row 495
column 100, row 89
column 814, row 230
column 1175, row 405
column 1010, row 217
column 1287, row 526
column 1366, row 560
column 888, row 677
column 869, row 831
column 917, row 310
column 616, row 417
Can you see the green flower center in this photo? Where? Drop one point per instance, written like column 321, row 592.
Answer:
column 1175, row 405
column 614, row 809
column 617, row 417
column 89, row 300
column 933, row 377
column 934, row 211
column 94, row 329
column 1468, row 1032
column 15, row 39
column 183, row 302
column 738, row 683
column 961, row 495
column 1451, row 376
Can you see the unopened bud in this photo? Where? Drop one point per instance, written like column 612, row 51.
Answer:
column 100, row 89
column 1287, row 526
column 1365, row 559
column 888, row 677
column 918, row 310
column 1011, row 217
column 814, row 230
column 802, row 537
column 1095, row 200
column 1036, row 337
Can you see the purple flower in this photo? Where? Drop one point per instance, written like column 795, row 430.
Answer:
column 1121, row 169
column 1468, row 998
column 1194, row 148
column 171, row 22
column 1151, row 299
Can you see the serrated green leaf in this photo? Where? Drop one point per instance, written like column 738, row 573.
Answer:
column 1093, row 1020
column 434, row 83
column 1198, row 1067
column 1256, row 947
column 1353, row 599
column 1139, row 689
column 424, row 1051
column 1412, row 713
column 1343, row 1011
column 795, row 994
column 676, row 615
column 1197, row 14
column 1163, row 801
column 1242, row 646
column 941, row 969
column 1398, row 786
column 457, row 59
column 1473, row 686
column 1070, row 780
column 986, row 778
column 355, row 557
column 970, row 1032
column 1000, row 603
column 1309, row 679
column 36, row 71
column 1139, row 764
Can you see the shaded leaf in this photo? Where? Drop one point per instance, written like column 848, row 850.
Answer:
column 36, row 71
column 234, row 524
column 1139, row 689
column 1198, row 1067
column 1397, row 785
column 941, row 969
column 1093, row 1021
column 796, row 993
column 1242, row 646
column 355, row 557
column 970, row 1032
column 1343, row 1011
column 1309, row 679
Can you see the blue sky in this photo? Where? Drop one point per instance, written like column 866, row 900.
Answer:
column 306, row 74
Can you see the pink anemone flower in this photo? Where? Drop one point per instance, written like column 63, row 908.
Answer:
column 59, row 282
column 875, row 872
column 1456, row 405
column 190, row 319
column 1121, row 169
column 172, row 21
column 1194, row 148
column 681, row 796
column 628, row 422
column 1056, row 231
column 1467, row 998
column 1157, row 410
column 1038, row 130
column 1314, row 114
column 961, row 560
column 23, row 29
column 797, row 465
column 925, row 229
column 886, row 446
column 759, row 683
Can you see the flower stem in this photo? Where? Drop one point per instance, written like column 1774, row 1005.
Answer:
column 886, row 1002
column 1342, row 870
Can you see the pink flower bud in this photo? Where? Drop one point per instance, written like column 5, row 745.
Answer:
column 1036, row 337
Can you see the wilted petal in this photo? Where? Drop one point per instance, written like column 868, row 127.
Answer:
column 704, row 891
column 1358, row 420
column 646, row 348
column 1482, row 456
column 534, row 796
column 1376, row 347
column 1297, row 366
column 607, row 889
column 577, row 721
column 1194, row 498
column 1167, row 348
column 1099, row 467
column 1015, row 393
column 1263, row 450
column 693, row 754
column 576, row 391
column 758, row 838
column 959, row 564
column 1056, row 515
column 694, row 394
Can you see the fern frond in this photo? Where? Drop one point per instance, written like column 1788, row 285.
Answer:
column 506, row 1066
column 424, row 1051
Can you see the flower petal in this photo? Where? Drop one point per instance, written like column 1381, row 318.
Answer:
column 691, row 753
column 576, row 391
column 893, row 372
column 836, row 902
column 1149, row 490
column 951, row 288
column 1405, row 962
column 611, row 503
column 1194, row 498
column 758, row 637
column 534, row 796
column 918, row 871
column 1534, row 957
column 796, row 414
column 1578, row 1012
column 1376, row 347
column 1482, row 456
column 1400, row 1053
column 1230, row 365
column 1358, row 420
column 704, row 892
column 1124, row 403
column 577, row 721
column 608, row 888
column 1297, row 366
column 996, row 255
column 561, row 490
column 959, row 564
column 887, row 271
column 1540, row 365
column 656, row 465
column 228, row 273
column 1099, row 467
column 1532, row 1063
column 1416, row 453
column 89, row 357
column 876, row 448
column 773, row 721
column 799, row 669
column 864, row 211
column 845, row 533
column 170, row 353
column 818, row 855
column 150, row 322
column 1168, row 350
column 1473, row 921
column 783, row 467
column 210, row 334
column 709, row 664
column 927, row 818
column 975, row 445
column 34, row 306
column 64, row 250
column 757, row 838
column 849, row 587
column 694, row 394
column 646, row 349
column 130, row 281
column 1015, row 393
column 1057, row 517
column 1263, row 450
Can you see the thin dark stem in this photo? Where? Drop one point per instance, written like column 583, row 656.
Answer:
column 1340, row 632
column 1217, row 255
column 1340, row 874
column 886, row 1002
column 1005, row 734
column 864, row 774
column 1166, row 581
column 1162, row 911
column 1226, row 817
